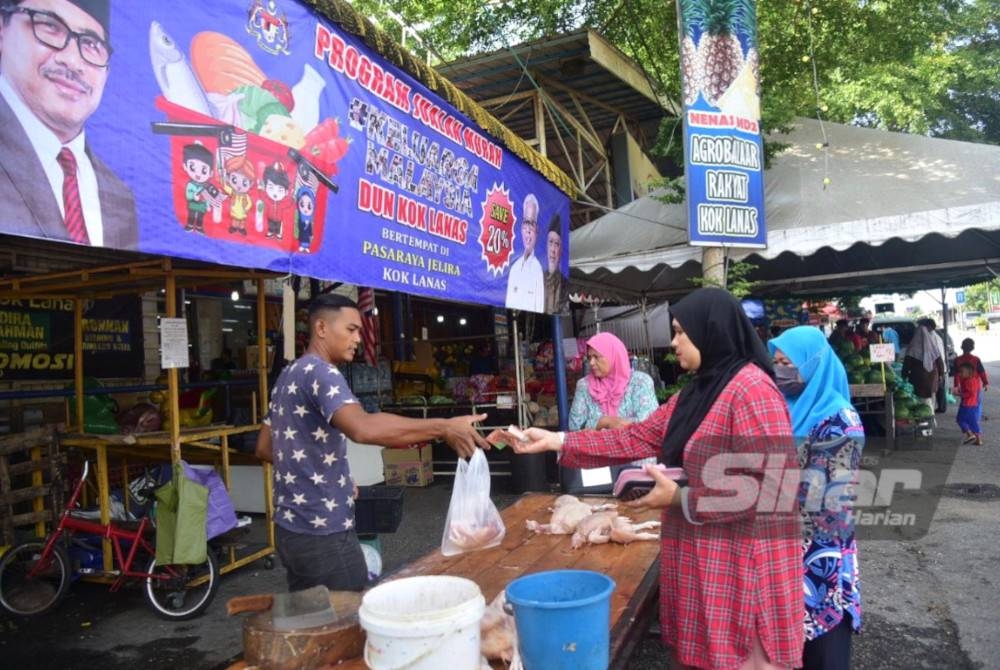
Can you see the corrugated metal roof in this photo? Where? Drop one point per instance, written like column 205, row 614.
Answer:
column 608, row 84
column 582, row 61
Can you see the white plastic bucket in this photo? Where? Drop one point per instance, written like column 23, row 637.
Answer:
column 423, row 623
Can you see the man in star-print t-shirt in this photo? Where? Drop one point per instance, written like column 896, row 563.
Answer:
column 313, row 489
column 312, row 414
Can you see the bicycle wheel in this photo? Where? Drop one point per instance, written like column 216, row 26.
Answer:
column 26, row 595
column 181, row 592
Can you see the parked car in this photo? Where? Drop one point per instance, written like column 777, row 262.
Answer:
column 906, row 327
column 949, row 350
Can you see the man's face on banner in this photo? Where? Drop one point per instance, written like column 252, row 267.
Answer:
column 554, row 248
column 529, row 226
column 58, row 86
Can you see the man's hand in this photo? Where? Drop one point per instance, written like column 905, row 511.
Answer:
column 611, row 422
column 665, row 493
column 462, row 435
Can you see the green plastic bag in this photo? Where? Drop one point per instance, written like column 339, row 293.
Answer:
column 181, row 509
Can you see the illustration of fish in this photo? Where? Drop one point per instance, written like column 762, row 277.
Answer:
column 173, row 73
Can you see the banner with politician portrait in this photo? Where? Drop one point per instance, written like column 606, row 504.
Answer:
column 257, row 134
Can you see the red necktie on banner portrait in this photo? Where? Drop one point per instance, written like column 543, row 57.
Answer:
column 73, row 208
column 369, row 323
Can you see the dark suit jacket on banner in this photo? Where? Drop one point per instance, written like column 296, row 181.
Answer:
column 28, row 206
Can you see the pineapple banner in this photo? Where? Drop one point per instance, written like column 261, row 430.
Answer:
column 258, row 134
column 724, row 157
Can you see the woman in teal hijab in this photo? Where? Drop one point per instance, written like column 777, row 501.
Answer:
column 822, row 391
column 830, row 440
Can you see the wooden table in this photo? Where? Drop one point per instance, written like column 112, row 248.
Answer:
column 635, row 569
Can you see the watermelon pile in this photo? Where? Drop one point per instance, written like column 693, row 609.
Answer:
column 860, row 370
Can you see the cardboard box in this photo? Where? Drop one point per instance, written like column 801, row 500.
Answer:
column 408, row 467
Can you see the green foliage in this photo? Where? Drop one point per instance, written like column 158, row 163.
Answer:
column 977, row 298
column 920, row 66
column 737, row 279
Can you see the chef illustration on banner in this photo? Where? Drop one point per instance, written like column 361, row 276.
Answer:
column 237, row 135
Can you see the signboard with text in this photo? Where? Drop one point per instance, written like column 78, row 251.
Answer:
column 36, row 338
column 260, row 135
column 723, row 156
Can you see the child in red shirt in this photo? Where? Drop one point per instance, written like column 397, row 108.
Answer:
column 968, row 388
column 968, row 344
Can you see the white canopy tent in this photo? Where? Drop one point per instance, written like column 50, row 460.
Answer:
column 900, row 212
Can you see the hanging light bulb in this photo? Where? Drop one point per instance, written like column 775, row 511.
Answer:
column 234, row 296
column 440, row 319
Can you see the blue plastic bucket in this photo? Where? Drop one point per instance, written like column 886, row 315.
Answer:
column 563, row 619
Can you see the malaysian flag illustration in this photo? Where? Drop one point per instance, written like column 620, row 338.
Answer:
column 369, row 324
column 237, row 146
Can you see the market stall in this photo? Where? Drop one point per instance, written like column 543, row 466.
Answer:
column 307, row 145
column 208, row 444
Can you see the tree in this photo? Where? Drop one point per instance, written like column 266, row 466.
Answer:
column 977, row 298
column 920, row 66
column 737, row 279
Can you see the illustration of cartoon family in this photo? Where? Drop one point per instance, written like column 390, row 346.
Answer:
column 273, row 207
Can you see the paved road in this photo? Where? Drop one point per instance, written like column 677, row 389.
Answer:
column 930, row 601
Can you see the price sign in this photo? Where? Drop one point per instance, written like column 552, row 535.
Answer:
column 882, row 353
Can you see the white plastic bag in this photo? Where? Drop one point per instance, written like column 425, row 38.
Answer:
column 473, row 520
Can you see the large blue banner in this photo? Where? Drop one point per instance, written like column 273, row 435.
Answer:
column 723, row 153
column 255, row 133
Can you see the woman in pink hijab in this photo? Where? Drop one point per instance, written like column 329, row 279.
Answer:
column 613, row 394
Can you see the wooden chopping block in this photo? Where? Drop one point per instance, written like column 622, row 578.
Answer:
column 305, row 648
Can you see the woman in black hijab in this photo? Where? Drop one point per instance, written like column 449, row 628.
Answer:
column 711, row 320
column 730, row 559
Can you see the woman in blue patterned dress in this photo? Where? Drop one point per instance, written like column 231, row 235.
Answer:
column 830, row 441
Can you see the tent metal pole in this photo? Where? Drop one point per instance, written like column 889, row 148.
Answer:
column 645, row 327
column 518, row 376
column 944, row 327
column 562, row 400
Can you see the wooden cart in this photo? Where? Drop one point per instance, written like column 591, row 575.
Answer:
column 877, row 400
column 199, row 445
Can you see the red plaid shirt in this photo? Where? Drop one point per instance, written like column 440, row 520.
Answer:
column 730, row 572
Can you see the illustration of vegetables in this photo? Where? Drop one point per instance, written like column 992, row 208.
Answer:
column 222, row 65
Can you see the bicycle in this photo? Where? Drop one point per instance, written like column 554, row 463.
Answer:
column 35, row 575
